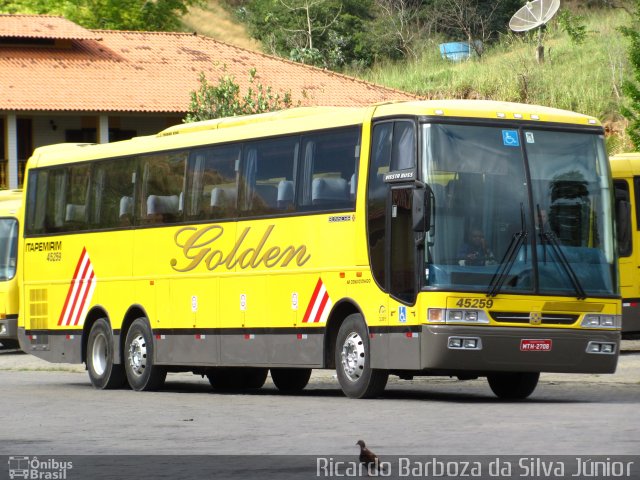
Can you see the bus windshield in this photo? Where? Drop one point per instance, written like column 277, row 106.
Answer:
column 518, row 210
column 8, row 248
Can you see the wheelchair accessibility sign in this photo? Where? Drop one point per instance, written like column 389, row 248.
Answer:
column 510, row 138
column 402, row 314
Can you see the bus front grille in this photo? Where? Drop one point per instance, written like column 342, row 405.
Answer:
column 525, row 317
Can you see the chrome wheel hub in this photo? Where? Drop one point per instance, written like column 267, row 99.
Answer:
column 353, row 356
column 138, row 355
column 99, row 355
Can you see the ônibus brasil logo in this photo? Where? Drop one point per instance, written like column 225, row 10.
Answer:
column 34, row 468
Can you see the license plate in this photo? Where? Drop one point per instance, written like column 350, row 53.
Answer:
column 535, row 345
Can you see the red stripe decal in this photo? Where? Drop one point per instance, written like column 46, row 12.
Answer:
column 312, row 301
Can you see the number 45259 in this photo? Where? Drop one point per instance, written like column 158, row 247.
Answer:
column 474, row 303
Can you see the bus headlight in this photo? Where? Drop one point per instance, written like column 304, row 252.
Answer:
column 613, row 322
column 459, row 315
column 601, row 347
column 466, row 316
column 465, row 343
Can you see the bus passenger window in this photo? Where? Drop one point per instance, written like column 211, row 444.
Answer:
column 162, row 196
column 112, row 193
column 212, row 188
column 268, row 176
column 329, row 163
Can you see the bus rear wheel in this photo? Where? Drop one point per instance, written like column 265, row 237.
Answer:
column 237, row 378
column 290, row 380
column 352, row 357
column 142, row 374
column 103, row 372
column 513, row 385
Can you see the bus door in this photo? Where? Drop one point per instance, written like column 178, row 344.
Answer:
column 624, row 235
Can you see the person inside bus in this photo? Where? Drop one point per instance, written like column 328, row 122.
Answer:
column 475, row 252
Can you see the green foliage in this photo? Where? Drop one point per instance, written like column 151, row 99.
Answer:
column 631, row 88
column 573, row 25
column 225, row 99
column 357, row 33
column 325, row 33
column 157, row 15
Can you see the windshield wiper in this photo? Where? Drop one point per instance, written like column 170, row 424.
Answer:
column 550, row 238
column 509, row 258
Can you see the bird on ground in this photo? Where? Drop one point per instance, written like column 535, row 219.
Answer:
column 368, row 458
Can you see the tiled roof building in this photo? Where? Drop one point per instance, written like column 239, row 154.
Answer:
column 61, row 82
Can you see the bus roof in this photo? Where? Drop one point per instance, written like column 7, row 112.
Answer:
column 625, row 164
column 291, row 120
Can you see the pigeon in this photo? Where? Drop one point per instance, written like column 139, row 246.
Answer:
column 368, row 458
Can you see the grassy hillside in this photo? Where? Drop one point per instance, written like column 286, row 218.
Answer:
column 584, row 78
column 216, row 22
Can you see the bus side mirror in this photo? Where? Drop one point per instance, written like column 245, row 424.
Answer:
column 421, row 211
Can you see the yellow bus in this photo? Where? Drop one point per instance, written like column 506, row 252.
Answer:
column 10, row 202
column 625, row 169
column 322, row 238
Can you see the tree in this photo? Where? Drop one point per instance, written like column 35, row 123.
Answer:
column 225, row 100
column 157, row 15
column 325, row 33
column 401, row 23
column 631, row 88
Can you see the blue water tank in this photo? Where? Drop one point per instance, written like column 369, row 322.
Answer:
column 455, row 51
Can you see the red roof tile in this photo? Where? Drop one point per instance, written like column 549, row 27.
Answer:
column 42, row 26
column 155, row 72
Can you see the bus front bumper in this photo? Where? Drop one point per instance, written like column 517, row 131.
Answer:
column 477, row 350
column 9, row 328
column 498, row 349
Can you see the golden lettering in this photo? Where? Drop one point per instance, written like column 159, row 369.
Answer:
column 198, row 247
column 271, row 257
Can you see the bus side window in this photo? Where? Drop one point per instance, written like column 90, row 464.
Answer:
column 162, row 196
column 403, row 154
column 329, row 165
column 212, row 188
column 36, row 204
column 112, row 193
column 65, row 199
column 268, row 176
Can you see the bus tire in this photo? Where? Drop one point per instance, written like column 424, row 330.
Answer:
column 290, row 380
column 142, row 374
column 237, row 378
column 103, row 372
column 513, row 385
column 10, row 344
column 352, row 356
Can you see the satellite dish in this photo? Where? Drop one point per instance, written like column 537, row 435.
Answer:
column 534, row 15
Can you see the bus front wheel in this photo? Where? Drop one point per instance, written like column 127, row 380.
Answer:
column 513, row 385
column 103, row 372
column 142, row 374
column 357, row 378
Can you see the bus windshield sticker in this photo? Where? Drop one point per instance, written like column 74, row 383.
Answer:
column 530, row 137
column 510, row 138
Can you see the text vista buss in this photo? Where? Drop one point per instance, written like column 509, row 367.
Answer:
column 329, row 238
column 10, row 204
column 625, row 168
